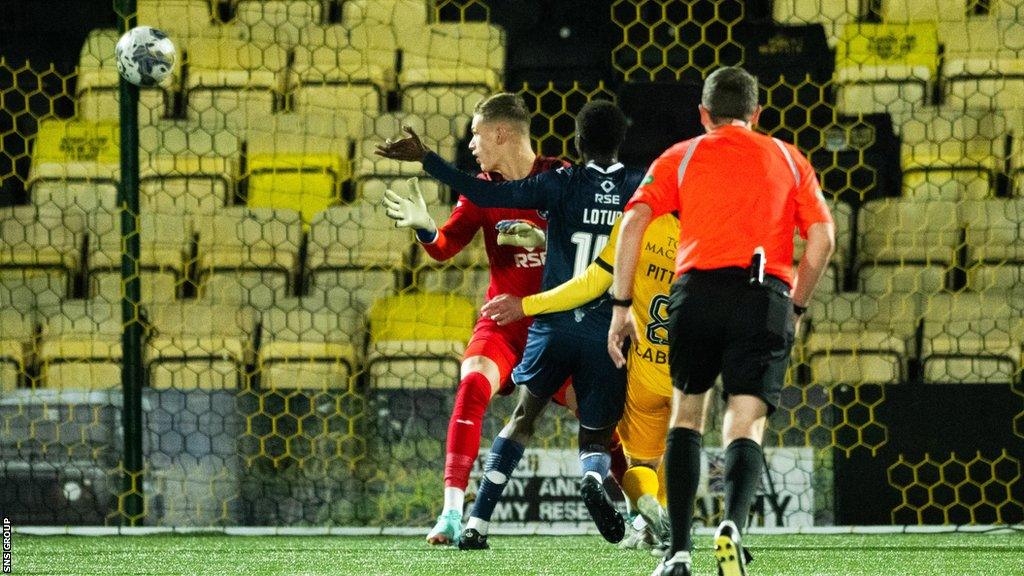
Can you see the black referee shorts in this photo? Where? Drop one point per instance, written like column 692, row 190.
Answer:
column 721, row 323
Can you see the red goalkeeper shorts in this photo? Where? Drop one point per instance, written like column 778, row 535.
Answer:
column 502, row 344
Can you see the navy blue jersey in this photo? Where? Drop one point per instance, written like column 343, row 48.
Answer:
column 581, row 203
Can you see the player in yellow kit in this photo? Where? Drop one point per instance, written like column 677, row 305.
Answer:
column 644, row 423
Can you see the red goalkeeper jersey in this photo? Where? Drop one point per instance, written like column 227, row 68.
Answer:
column 514, row 270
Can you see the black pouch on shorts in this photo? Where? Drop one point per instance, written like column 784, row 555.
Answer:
column 778, row 318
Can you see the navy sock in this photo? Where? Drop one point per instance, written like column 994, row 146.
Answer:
column 595, row 459
column 682, row 474
column 743, row 464
column 501, row 462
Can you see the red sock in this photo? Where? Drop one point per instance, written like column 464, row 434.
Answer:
column 618, row 459
column 464, row 429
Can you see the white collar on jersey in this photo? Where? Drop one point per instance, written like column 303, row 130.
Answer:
column 613, row 168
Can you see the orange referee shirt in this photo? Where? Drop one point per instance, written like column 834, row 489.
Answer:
column 735, row 190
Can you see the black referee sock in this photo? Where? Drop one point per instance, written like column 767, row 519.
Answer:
column 682, row 474
column 743, row 464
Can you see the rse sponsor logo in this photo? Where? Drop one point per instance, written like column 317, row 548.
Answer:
column 606, row 198
column 531, row 260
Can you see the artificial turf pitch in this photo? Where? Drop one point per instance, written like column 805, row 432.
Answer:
column 955, row 554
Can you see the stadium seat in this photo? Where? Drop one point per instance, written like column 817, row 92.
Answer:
column 179, row 18
column 80, row 346
column 1002, row 277
column 977, row 135
column 884, row 279
column 185, row 183
column 306, row 345
column 399, row 15
column 910, row 238
column 67, row 151
column 361, row 54
column 452, row 103
column 435, row 131
column 276, row 21
column 885, row 67
column 454, row 55
column 164, row 246
column 40, row 252
column 199, row 346
column 993, row 232
column 971, row 338
column 861, row 339
column 354, row 255
column 353, row 102
column 417, row 340
column 924, row 11
column 17, row 330
column 983, row 65
column 371, row 190
column 229, row 79
column 466, row 274
column 297, row 161
column 832, row 14
column 247, row 256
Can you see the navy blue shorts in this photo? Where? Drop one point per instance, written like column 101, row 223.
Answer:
column 551, row 356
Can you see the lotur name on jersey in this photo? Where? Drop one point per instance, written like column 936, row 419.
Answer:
column 652, row 354
column 606, row 198
column 660, row 274
column 530, row 260
column 598, row 216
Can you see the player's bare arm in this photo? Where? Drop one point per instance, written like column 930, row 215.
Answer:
column 821, row 242
column 627, row 253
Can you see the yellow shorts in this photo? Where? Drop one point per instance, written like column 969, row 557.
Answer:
column 644, row 423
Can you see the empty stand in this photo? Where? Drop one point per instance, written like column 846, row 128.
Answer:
column 971, row 338
column 906, row 245
column 229, row 79
column 297, row 161
column 466, row 274
column 248, row 256
column 97, row 87
column 994, row 230
column 80, row 346
column 355, row 255
column 435, row 131
column 70, row 151
column 417, row 340
column 832, row 14
column 276, row 21
column 165, row 242
column 17, row 331
column 178, row 18
column 454, row 55
column 885, row 67
column 40, row 253
column 199, row 346
column 399, row 15
column 983, row 65
column 306, row 345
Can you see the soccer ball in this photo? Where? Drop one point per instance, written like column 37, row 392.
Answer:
column 145, row 56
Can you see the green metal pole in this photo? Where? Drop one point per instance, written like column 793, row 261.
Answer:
column 131, row 338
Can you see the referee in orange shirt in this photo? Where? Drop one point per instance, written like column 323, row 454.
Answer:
column 734, row 307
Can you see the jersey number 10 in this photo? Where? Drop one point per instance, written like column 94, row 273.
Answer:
column 588, row 246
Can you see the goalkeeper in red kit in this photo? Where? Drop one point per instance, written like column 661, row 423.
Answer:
column 514, row 240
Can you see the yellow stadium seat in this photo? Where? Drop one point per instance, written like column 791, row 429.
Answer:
column 80, row 346
column 889, row 279
column 967, row 352
column 230, row 79
column 901, row 231
column 832, row 14
column 348, row 56
column 276, row 21
column 417, row 340
column 973, row 135
column 454, row 54
column 247, row 255
column 186, row 183
column 199, row 346
column 164, row 246
column 994, row 230
column 885, row 67
column 39, row 253
column 400, row 15
column 352, row 102
column 75, row 151
column 454, row 103
column 938, row 181
column 308, row 346
column 17, row 330
column 983, row 63
column 995, row 277
column 306, row 183
column 178, row 18
column 354, row 254
column 96, row 92
column 924, row 11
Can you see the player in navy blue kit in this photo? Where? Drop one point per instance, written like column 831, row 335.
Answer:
column 581, row 204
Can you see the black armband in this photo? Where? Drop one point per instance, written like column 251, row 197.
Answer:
column 799, row 310
column 625, row 303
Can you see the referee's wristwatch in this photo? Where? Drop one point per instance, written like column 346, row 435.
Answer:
column 798, row 309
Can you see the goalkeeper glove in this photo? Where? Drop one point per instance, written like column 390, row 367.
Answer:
column 409, row 212
column 520, row 233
